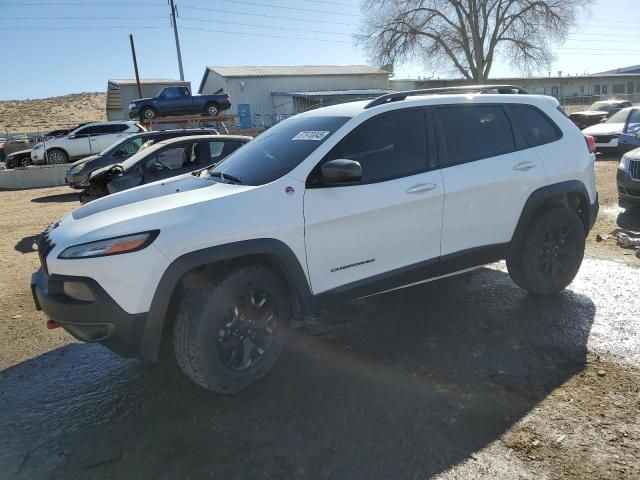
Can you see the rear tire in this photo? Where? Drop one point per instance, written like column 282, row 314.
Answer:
column 229, row 333
column 550, row 254
column 55, row 156
column 212, row 109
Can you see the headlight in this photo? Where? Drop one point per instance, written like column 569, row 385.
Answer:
column 132, row 106
column 111, row 246
column 38, row 147
column 77, row 168
column 624, row 163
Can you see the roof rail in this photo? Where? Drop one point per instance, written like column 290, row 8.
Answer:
column 394, row 97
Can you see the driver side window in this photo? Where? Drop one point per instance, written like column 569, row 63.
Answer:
column 388, row 146
column 171, row 158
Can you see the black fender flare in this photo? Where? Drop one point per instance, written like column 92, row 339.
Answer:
column 275, row 250
column 540, row 197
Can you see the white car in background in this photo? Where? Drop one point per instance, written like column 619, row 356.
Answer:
column 87, row 140
column 607, row 133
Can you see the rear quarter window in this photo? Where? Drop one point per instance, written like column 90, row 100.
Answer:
column 536, row 128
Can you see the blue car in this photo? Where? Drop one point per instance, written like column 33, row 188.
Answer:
column 628, row 141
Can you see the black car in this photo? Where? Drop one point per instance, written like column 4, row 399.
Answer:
column 120, row 151
column 165, row 159
column 629, row 178
column 598, row 112
column 21, row 158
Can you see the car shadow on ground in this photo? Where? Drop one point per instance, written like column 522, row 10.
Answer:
column 402, row 385
column 27, row 244
column 59, row 198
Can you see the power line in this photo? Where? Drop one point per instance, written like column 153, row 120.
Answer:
column 95, row 27
column 280, row 17
column 81, row 18
column 81, row 4
column 263, row 35
column 271, row 5
column 263, row 26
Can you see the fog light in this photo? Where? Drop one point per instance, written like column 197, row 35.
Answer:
column 78, row 291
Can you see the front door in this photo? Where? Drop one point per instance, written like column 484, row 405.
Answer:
column 390, row 219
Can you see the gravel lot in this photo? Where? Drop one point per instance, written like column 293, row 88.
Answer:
column 467, row 377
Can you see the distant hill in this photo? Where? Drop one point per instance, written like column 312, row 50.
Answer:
column 18, row 116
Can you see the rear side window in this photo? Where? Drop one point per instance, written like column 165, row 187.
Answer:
column 387, row 146
column 475, row 132
column 535, row 126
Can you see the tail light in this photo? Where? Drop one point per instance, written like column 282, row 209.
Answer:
column 591, row 143
column 228, row 99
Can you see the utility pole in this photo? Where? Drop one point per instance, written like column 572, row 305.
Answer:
column 175, row 32
column 135, row 65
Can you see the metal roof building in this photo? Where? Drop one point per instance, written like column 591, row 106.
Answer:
column 121, row 92
column 265, row 94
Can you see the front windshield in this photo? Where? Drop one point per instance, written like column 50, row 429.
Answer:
column 123, row 148
column 277, row 151
column 600, row 107
column 619, row 117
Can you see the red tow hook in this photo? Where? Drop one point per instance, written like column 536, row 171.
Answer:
column 51, row 324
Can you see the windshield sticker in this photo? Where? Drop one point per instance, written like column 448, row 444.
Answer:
column 315, row 135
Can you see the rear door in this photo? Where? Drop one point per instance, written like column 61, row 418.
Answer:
column 488, row 176
column 109, row 134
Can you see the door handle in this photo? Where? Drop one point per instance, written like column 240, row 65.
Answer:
column 524, row 166
column 421, row 188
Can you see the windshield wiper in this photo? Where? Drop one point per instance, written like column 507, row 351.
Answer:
column 226, row 176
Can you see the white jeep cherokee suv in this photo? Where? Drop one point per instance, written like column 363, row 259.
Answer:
column 89, row 139
column 343, row 201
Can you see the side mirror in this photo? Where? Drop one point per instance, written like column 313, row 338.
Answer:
column 341, row 171
column 604, row 120
column 157, row 167
column 71, row 137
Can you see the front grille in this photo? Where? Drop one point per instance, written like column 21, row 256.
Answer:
column 634, row 169
column 45, row 245
column 604, row 138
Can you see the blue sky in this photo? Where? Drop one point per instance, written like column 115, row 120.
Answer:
column 54, row 47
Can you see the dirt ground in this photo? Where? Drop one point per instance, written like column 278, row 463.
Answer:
column 18, row 116
column 463, row 378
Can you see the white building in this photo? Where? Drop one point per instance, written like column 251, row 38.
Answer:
column 265, row 94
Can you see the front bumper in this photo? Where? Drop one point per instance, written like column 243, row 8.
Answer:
column 75, row 180
column 134, row 112
column 38, row 156
column 628, row 188
column 100, row 320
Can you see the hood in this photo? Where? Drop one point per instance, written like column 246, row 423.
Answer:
column 157, row 196
column 100, row 172
column 19, row 152
column 590, row 113
column 139, row 100
column 633, row 154
column 604, row 129
column 84, row 160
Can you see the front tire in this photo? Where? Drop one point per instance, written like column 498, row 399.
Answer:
column 56, row 156
column 148, row 113
column 229, row 333
column 550, row 254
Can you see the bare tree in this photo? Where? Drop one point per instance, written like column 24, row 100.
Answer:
column 467, row 35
